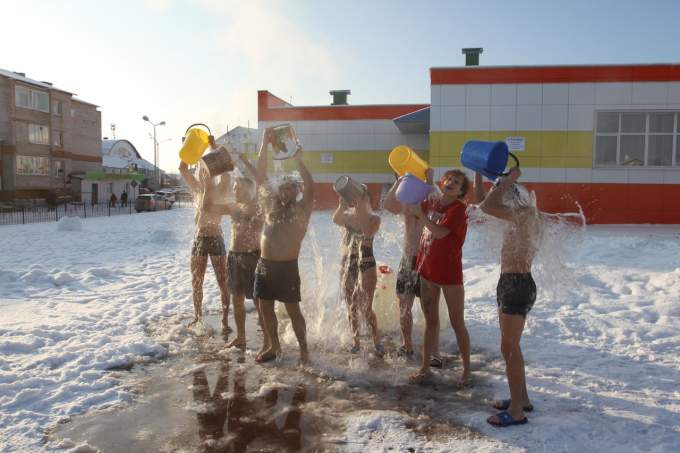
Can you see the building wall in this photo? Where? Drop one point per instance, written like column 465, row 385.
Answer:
column 343, row 140
column 556, row 117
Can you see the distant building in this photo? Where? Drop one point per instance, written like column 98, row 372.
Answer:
column 242, row 139
column 49, row 139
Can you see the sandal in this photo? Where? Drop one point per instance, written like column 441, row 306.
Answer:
column 379, row 350
column 505, row 419
column 503, row 405
column 436, row 362
column 355, row 349
column 403, row 352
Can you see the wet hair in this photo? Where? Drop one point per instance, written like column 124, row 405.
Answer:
column 464, row 187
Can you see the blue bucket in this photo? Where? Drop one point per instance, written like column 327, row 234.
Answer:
column 487, row 158
column 412, row 190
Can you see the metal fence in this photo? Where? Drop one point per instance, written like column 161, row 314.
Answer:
column 35, row 214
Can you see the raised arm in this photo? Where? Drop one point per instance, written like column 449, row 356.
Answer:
column 189, row 177
column 262, row 158
column 493, row 203
column 248, row 165
column 438, row 231
column 308, row 181
column 480, row 194
column 391, row 203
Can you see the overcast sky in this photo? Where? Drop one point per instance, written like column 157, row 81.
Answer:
column 186, row 61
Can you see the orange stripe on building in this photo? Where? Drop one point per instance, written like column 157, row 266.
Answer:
column 555, row 74
column 272, row 108
column 74, row 156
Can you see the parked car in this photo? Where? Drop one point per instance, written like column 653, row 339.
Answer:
column 167, row 194
column 151, row 202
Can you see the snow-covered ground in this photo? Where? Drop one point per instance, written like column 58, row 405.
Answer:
column 601, row 347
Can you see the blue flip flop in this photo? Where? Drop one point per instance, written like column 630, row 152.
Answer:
column 505, row 419
column 355, row 350
column 378, row 350
column 503, row 405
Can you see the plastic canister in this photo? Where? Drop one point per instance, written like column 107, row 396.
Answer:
column 412, row 190
column 385, row 303
column 218, row 161
column 487, row 158
column 284, row 141
column 195, row 142
column 404, row 160
column 349, row 189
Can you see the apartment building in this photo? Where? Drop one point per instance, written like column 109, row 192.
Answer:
column 49, row 139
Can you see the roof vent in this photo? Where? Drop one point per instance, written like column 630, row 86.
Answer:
column 22, row 74
column 47, row 83
column 340, row 96
column 472, row 55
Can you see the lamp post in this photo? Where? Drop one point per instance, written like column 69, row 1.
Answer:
column 156, row 173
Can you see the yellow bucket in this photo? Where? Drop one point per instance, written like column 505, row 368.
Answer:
column 404, row 160
column 195, row 143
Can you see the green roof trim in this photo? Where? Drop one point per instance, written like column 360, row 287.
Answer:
column 97, row 175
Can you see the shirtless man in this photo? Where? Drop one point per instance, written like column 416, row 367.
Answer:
column 244, row 251
column 208, row 239
column 408, row 282
column 277, row 276
column 516, row 291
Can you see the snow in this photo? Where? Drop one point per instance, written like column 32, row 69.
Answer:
column 601, row 345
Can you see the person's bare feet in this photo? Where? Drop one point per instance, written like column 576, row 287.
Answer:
column 423, row 376
column 268, row 355
column 237, row 343
column 304, row 356
column 197, row 320
column 465, row 380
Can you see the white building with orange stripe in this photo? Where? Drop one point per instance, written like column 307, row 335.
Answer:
column 605, row 137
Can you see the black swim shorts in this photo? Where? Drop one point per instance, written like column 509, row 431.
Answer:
column 277, row 280
column 241, row 272
column 208, row 246
column 408, row 281
column 516, row 294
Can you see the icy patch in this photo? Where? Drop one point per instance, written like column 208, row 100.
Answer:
column 70, row 224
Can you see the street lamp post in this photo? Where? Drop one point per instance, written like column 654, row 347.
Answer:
column 156, row 173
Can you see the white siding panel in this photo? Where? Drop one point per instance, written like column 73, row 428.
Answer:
column 436, row 95
column 453, row 118
column 528, row 117
column 531, row 174
column 503, row 118
column 674, row 92
column 601, row 175
column 613, row 93
column 650, row 93
column 579, row 175
column 319, row 127
column 453, row 94
column 581, row 93
column 503, row 94
column 553, row 175
column 529, row 93
column 555, row 117
column 639, row 176
column 581, row 118
column 385, row 127
column 555, row 93
column 671, row 176
column 478, row 95
column 477, row 118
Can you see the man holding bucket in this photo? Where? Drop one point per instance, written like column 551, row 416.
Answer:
column 277, row 275
column 516, row 290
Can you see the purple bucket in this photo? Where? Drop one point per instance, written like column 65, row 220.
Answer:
column 412, row 190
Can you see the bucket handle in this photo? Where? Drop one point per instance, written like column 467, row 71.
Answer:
column 196, row 124
column 516, row 164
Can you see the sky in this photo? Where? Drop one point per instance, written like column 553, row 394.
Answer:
column 188, row 61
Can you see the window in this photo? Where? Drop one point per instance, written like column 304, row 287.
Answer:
column 57, row 108
column 33, row 166
column 58, row 169
column 58, row 139
column 22, row 97
column 38, row 134
column 31, row 99
column 644, row 139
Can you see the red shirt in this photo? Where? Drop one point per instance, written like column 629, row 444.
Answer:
column 441, row 260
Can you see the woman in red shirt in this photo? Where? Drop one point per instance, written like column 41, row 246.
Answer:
column 440, row 266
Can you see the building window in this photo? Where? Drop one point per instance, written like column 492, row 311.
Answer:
column 31, row 99
column 637, row 139
column 33, row 166
column 57, row 108
column 58, row 169
column 58, row 139
column 38, row 134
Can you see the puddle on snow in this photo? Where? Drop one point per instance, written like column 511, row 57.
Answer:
column 206, row 398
